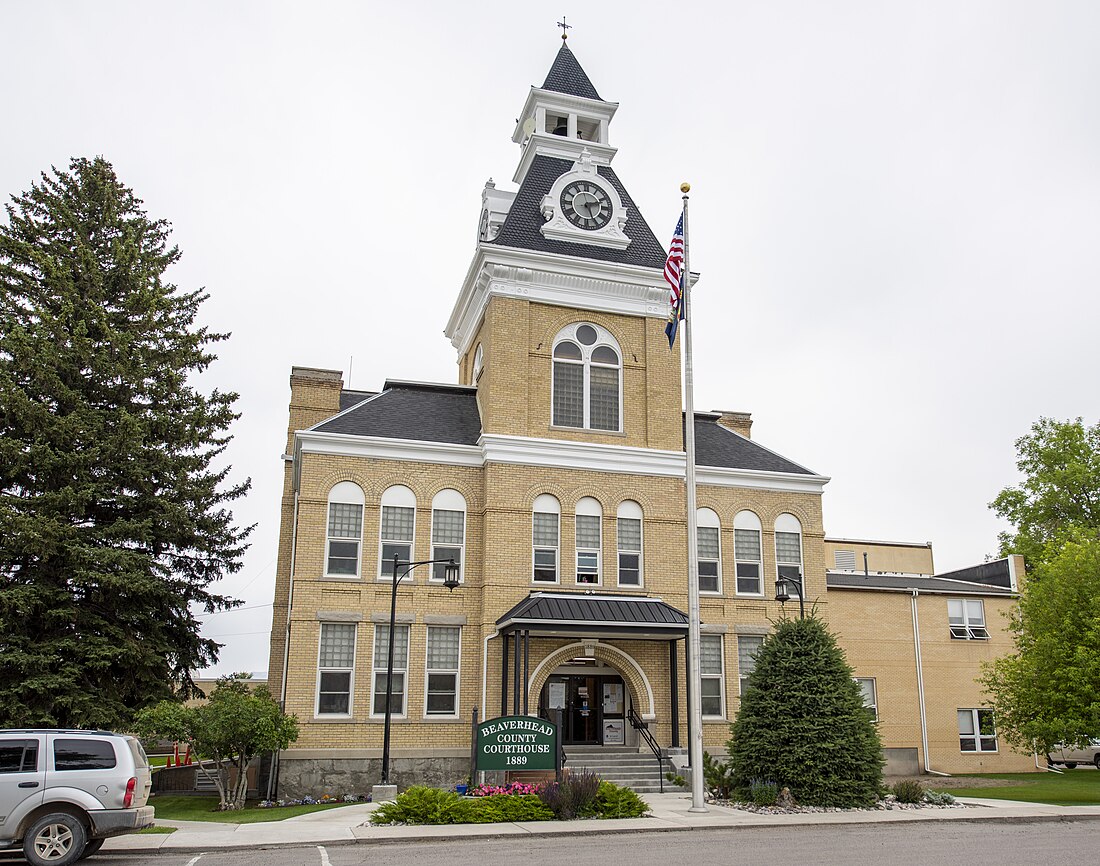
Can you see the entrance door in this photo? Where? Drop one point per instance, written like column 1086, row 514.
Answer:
column 593, row 707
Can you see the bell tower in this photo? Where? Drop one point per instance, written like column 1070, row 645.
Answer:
column 560, row 320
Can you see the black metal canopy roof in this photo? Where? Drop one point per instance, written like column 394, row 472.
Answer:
column 582, row 613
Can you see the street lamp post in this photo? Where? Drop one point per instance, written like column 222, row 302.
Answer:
column 450, row 580
column 782, row 596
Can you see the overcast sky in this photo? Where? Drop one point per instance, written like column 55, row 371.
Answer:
column 895, row 210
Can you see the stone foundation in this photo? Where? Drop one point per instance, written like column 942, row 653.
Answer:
column 339, row 776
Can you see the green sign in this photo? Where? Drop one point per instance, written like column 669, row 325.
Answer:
column 517, row 743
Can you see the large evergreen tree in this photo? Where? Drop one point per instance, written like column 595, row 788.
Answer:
column 114, row 518
column 802, row 722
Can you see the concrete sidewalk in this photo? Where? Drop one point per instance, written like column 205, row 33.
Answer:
column 349, row 825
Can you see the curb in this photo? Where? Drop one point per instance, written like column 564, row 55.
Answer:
column 616, row 831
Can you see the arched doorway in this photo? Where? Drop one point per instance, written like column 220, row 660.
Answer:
column 593, row 698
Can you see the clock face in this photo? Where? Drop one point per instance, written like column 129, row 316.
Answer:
column 586, row 205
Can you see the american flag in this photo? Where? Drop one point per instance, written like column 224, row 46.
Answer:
column 675, row 278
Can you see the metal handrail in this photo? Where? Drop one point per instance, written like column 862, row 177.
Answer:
column 642, row 728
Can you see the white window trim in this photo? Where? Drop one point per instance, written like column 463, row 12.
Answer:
column 603, row 338
column 557, row 550
column 457, row 672
column 441, row 504
column 317, row 714
column 402, row 503
column 741, row 676
column 721, row 677
column 874, row 689
column 978, row 750
column 801, row 550
column 360, row 501
column 758, row 528
column 577, row 549
column 375, row 670
column 966, row 623
column 640, row 552
column 717, row 526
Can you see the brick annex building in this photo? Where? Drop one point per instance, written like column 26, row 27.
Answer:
column 553, row 473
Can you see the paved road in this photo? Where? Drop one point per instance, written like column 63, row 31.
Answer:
column 930, row 844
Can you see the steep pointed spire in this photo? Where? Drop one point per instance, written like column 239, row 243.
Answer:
column 566, row 76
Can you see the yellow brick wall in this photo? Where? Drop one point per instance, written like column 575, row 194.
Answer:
column 883, row 556
column 875, row 630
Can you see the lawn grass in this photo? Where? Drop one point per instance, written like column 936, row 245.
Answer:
column 175, row 807
column 1072, row 789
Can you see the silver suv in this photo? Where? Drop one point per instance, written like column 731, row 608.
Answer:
column 63, row 792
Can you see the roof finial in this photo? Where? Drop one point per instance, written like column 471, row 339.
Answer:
column 564, row 27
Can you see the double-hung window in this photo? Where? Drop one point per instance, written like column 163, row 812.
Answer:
column 788, row 548
column 747, row 648
column 747, row 554
column 710, row 551
column 629, row 542
column 397, row 528
column 587, row 380
column 713, row 677
column 977, row 732
column 588, row 520
column 400, row 667
column 345, row 530
column 335, row 666
column 870, row 695
column 441, row 674
column 448, row 531
column 966, row 619
column 545, row 539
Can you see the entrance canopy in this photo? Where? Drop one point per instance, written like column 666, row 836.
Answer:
column 578, row 613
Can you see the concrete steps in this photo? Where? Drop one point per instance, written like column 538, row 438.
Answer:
column 623, row 766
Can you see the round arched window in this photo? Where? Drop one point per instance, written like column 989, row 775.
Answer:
column 587, row 380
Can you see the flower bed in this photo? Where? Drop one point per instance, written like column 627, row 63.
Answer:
column 307, row 800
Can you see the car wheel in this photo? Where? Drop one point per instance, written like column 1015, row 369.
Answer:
column 1071, row 765
column 55, row 840
column 90, row 849
column 1096, row 760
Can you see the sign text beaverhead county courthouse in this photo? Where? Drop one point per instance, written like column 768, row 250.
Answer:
column 517, row 743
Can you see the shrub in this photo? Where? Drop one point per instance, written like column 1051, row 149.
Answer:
column 574, row 796
column 802, row 721
column 496, row 808
column 422, row 805
column 908, row 791
column 938, row 798
column 763, row 792
column 717, row 776
column 676, row 779
column 613, row 801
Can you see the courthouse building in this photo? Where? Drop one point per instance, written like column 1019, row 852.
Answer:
column 553, row 474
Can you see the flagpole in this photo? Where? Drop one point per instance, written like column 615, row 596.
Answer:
column 695, row 679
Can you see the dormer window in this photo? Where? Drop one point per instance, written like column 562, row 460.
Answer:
column 587, row 380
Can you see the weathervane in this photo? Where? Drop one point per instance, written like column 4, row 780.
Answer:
column 564, row 27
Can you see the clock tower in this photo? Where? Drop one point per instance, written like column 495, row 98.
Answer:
column 560, row 319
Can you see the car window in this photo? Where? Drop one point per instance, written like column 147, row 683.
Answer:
column 140, row 760
column 18, row 756
column 83, row 755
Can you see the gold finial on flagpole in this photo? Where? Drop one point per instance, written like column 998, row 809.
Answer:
column 685, row 187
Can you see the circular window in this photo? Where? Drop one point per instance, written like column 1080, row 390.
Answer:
column 586, row 334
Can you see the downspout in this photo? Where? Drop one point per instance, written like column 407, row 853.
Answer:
column 273, row 782
column 920, row 687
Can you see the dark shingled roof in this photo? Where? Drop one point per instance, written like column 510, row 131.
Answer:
column 413, row 410
column 907, row 582
column 428, row 412
column 566, row 76
column 558, row 609
column 521, row 226
column 718, row 446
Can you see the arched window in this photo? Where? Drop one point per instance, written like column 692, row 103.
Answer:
column 629, row 532
column 545, row 538
column 587, row 386
column 710, row 551
column 397, row 527
column 345, row 530
column 747, row 553
column 589, row 516
column 448, row 531
column 788, row 548
column 479, row 364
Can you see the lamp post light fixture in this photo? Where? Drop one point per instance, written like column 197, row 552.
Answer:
column 782, row 596
column 450, row 580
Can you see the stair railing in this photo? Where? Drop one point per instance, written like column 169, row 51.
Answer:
column 642, row 727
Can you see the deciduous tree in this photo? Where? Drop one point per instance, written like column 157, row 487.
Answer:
column 114, row 518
